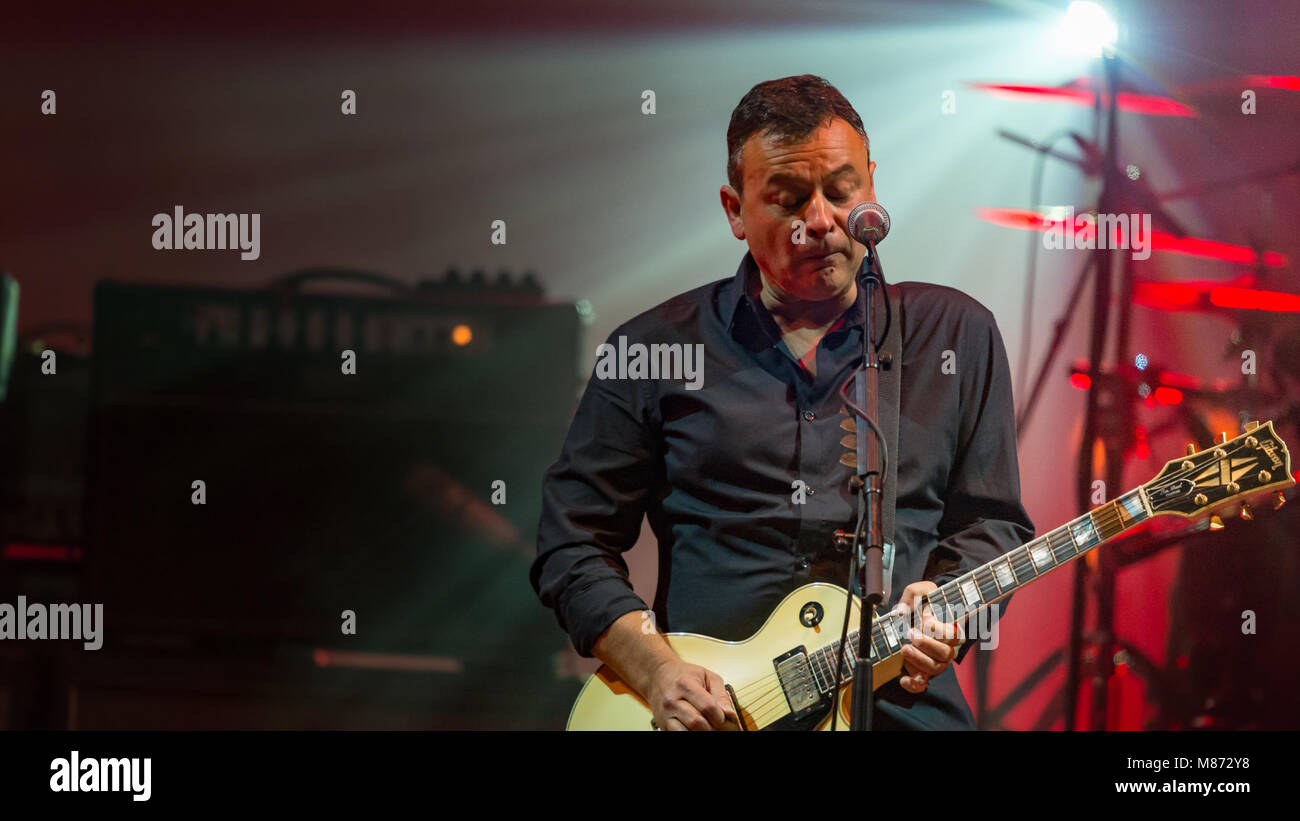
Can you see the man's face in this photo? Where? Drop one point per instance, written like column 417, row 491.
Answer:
column 818, row 181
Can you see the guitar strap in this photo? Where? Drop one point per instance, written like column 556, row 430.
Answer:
column 890, row 383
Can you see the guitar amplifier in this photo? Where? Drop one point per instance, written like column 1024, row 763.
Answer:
column 261, row 462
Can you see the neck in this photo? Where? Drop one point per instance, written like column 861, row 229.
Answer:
column 793, row 314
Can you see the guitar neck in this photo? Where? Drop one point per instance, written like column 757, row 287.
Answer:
column 984, row 586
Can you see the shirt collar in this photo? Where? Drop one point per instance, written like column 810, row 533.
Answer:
column 743, row 311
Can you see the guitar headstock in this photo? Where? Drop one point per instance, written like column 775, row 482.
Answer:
column 1236, row 473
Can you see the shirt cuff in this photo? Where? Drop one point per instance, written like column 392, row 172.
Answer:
column 589, row 612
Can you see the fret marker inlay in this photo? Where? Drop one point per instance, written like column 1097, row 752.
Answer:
column 1004, row 575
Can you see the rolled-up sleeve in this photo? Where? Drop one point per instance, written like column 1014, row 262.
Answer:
column 983, row 516
column 593, row 501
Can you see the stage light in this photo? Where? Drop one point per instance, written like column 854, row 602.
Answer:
column 1086, row 28
column 1141, row 447
column 1168, row 396
column 461, row 335
column 1140, row 361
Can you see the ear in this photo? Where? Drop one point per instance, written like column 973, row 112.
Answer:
column 871, row 179
column 731, row 207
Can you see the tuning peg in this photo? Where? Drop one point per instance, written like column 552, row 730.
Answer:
column 1278, row 500
column 1223, row 438
column 1246, row 512
column 1191, row 448
column 1216, row 523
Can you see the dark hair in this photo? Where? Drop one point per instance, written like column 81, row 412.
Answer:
column 788, row 109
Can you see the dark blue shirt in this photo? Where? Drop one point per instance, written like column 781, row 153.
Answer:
column 712, row 468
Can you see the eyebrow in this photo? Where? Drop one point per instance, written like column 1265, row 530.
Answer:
column 782, row 176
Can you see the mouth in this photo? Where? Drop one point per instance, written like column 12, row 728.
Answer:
column 825, row 258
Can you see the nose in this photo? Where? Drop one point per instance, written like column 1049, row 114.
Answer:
column 819, row 217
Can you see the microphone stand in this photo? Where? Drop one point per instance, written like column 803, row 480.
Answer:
column 868, row 541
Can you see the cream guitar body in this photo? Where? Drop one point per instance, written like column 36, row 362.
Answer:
column 769, row 673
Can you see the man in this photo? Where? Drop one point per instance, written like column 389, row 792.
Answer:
column 713, row 468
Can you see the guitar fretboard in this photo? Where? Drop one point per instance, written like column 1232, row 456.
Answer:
column 979, row 589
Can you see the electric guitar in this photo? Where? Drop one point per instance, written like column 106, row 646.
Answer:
column 782, row 676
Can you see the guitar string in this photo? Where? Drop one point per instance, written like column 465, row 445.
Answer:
column 770, row 676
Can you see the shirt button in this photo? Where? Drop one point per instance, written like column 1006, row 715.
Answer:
column 811, row 491
column 803, row 564
column 809, row 415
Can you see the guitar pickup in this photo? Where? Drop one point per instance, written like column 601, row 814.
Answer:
column 797, row 682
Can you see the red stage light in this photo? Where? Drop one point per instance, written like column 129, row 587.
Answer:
column 1166, row 296
column 1251, row 299
column 1126, row 100
column 1168, row 396
column 1212, row 249
column 45, row 552
column 1171, row 379
column 1290, row 83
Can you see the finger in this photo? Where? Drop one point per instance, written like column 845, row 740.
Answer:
column 707, row 706
column 907, row 601
column 672, row 723
column 690, row 718
column 911, row 595
column 950, row 636
column 718, row 689
column 956, row 637
column 920, row 666
column 914, row 683
column 917, row 660
column 941, row 630
column 941, row 652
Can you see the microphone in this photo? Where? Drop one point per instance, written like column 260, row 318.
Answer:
column 868, row 221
